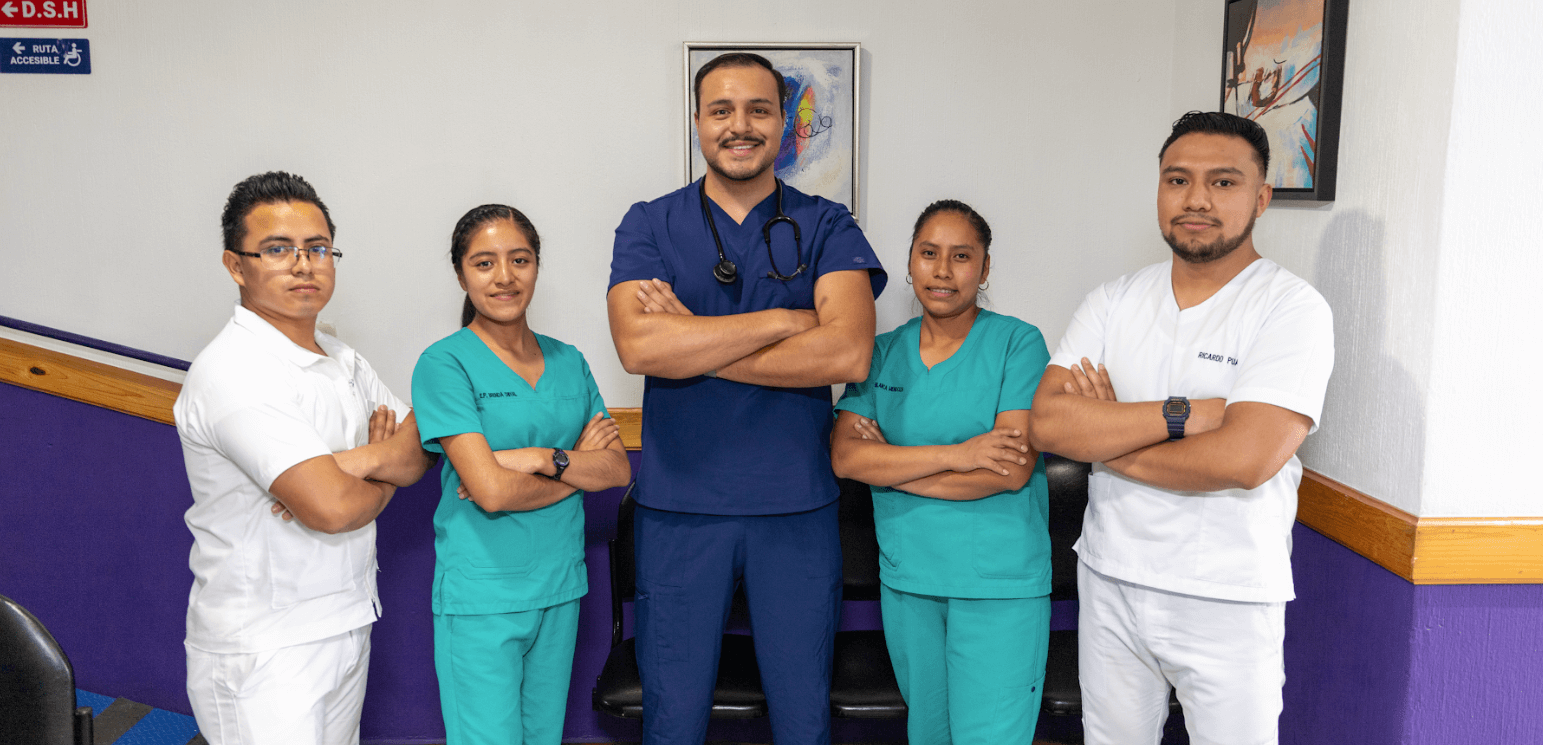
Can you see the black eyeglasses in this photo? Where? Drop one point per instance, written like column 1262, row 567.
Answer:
column 284, row 257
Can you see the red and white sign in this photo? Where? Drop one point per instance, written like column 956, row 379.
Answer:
column 43, row 13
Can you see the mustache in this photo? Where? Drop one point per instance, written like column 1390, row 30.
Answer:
column 1194, row 218
column 727, row 141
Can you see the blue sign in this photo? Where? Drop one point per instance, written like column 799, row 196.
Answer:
column 51, row 56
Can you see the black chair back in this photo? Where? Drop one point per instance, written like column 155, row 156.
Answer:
column 37, row 684
column 859, row 542
column 1068, row 502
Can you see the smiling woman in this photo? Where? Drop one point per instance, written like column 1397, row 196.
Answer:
column 521, row 421
column 959, row 497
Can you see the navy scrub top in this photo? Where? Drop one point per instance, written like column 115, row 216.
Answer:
column 714, row 446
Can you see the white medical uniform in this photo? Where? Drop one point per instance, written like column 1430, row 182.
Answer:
column 1166, row 565
column 279, row 614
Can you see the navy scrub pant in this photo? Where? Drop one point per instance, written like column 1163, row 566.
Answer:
column 687, row 568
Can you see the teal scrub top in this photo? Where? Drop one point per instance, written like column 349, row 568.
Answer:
column 995, row 547
column 503, row 562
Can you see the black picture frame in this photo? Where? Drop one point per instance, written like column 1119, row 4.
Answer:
column 1275, row 92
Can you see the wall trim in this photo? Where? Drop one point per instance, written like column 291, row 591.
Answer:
column 1425, row 551
column 145, row 396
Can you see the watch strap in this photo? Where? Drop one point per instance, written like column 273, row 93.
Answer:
column 1176, row 413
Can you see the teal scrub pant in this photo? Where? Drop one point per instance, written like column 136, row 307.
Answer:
column 971, row 670
column 503, row 677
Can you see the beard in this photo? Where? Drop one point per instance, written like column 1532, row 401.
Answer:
column 1206, row 253
column 745, row 171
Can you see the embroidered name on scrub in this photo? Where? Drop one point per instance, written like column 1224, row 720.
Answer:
column 892, row 388
column 1218, row 358
column 504, row 394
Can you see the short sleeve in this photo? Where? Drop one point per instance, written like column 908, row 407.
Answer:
column 1026, row 360
column 1291, row 359
column 1085, row 334
column 596, row 403
column 376, row 392
column 444, row 400
column 635, row 254
column 842, row 247
column 268, row 436
column 858, row 397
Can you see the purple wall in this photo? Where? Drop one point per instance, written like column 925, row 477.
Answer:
column 1373, row 659
column 92, row 542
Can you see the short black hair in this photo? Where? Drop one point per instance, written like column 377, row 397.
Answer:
column 982, row 230
column 1222, row 123
column 741, row 59
column 273, row 187
column 476, row 219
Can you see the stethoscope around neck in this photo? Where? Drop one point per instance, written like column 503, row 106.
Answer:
column 725, row 272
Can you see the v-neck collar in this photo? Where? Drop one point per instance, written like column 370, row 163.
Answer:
column 755, row 218
column 1230, row 286
column 915, row 347
column 499, row 361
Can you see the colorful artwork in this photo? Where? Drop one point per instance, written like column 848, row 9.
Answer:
column 819, row 151
column 1274, row 72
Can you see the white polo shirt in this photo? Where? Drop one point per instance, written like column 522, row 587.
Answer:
column 254, row 404
column 1266, row 336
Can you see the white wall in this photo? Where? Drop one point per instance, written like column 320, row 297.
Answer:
column 1042, row 115
column 1046, row 116
column 1485, row 401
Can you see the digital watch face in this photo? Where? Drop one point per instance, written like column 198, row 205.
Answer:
column 1175, row 408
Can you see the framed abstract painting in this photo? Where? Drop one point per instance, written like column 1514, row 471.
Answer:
column 820, row 153
column 1283, row 66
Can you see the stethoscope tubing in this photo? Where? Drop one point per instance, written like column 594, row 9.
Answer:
column 725, row 271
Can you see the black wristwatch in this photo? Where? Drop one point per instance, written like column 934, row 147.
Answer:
column 1176, row 412
column 559, row 459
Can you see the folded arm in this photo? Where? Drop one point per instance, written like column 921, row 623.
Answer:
column 993, row 462
column 1095, row 427
column 396, row 458
column 326, row 499
column 680, row 345
column 1240, row 449
column 1254, row 441
column 598, row 461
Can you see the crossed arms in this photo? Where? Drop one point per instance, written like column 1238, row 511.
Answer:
column 1237, row 446
column 995, row 461
column 345, row 491
column 518, row 480
column 656, row 334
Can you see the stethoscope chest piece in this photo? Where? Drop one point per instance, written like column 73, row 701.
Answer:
column 725, row 272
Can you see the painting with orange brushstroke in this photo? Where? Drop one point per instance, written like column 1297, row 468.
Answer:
column 1273, row 75
column 818, row 151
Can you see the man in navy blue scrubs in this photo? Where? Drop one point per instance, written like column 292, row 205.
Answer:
column 742, row 320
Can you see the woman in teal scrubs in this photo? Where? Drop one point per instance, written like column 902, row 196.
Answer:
column 526, row 434
column 938, row 429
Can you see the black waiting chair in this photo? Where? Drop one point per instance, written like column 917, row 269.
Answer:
column 619, row 689
column 37, row 685
column 1068, row 481
column 863, row 682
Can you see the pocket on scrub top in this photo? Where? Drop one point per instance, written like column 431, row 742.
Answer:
column 1001, row 548
column 304, row 564
column 887, row 524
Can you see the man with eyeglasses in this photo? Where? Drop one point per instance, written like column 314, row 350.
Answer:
column 292, row 447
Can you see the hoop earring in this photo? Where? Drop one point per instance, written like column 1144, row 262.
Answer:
column 908, row 279
column 986, row 285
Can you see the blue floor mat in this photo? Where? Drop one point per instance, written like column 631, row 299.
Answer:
column 124, row 722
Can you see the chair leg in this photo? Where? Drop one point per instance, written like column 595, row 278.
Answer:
column 85, row 726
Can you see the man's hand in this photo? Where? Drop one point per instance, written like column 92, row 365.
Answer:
column 1090, row 381
column 382, row 427
column 657, row 296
